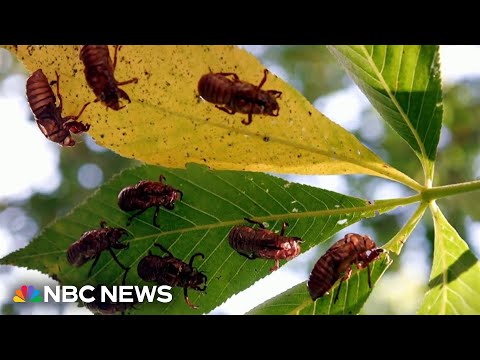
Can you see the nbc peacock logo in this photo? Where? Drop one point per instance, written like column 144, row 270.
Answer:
column 27, row 294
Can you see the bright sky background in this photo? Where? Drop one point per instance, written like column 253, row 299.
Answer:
column 34, row 169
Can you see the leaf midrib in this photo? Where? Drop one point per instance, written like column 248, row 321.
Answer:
column 390, row 173
column 309, row 301
column 317, row 213
column 444, row 286
column 405, row 117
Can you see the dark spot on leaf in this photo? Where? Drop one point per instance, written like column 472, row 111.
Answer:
column 310, row 113
column 102, row 135
column 266, row 139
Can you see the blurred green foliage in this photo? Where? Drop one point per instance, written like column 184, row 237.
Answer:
column 45, row 208
column 311, row 68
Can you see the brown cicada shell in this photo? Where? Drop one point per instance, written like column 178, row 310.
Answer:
column 147, row 194
column 109, row 307
column 92, row 243
column 233, row 95
column 169, row 270
column 336, row 263
column 49, row 118
column 99, row 73
column 263, row 243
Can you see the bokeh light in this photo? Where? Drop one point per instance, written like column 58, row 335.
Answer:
column 90, row 176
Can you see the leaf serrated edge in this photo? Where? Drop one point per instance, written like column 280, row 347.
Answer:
column 427, row 165
column 54, row 221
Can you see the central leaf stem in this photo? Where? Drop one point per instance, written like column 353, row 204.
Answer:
column 449, row 190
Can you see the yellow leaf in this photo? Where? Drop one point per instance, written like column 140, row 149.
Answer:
column 168, row 124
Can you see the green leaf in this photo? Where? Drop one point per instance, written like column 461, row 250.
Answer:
column 454, row 286
column 213, row 202
column 403, row 84
column 353, row 294
column 167, row 123
column 297, row 300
